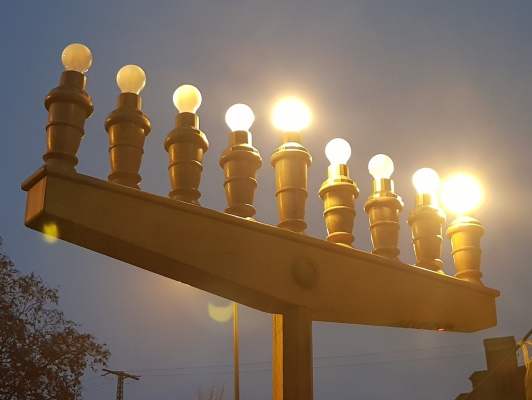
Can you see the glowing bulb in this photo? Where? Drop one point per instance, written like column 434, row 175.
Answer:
column 291, row 115
column 239, row 117
column 77, row 57
column 380, row 167
column 187, row 98
column 131, row 79
column 461, row 193
column 338, row 151
column 426, row 181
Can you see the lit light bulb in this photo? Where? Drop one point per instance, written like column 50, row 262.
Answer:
column 291, row 115
column 76, row 57
column 187, row 98
column 380, row 167
column 239, row 117
column 131, row 79
column 338, row 151
column 461, row 193
column 426, row 181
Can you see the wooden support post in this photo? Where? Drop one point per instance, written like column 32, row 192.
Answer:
column 277, row 357
column 292, row 363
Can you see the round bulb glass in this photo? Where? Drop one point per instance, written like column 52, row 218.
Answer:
column 426, row 181
column 338, row 151
column 239, row 117
column 461, row 193
column 380, row 167
column 76, row 57
column 131, row 79
column 291, row 115
column 187, row 98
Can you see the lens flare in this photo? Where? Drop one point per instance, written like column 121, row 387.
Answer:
column 291, row 114
column 50, row 233
column 220, row 313
column 461, row 193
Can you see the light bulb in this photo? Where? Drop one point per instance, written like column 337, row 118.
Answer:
column 291, row 115
column 187, row 98
column 131, row 79
column 426, row 181
column 338, row 151
column 239, row 117
column 76, row 57
column 461, row 193
column 380, row 167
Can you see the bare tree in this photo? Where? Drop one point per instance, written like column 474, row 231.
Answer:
column 214, row 393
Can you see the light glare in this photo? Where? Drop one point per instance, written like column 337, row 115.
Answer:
column 291, row 114
column 220, row 313
column 461, row 193
column 50, row 233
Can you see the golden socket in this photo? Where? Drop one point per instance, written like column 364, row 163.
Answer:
column 383, row 208
column 68, row 107
column 338, row 193
column 426, row 222
column 240, row 162
column 186, row 145
column 465, row 233
column 127, row 127
column 291, row 161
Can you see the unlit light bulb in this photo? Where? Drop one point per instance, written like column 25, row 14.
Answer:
column 426, row 181
column 461, row 193
column 187, row 98
column 131, row 79
column 380, row 167
column 239, row 117
column 76, row 57
column 291, row 115
column 338, row 151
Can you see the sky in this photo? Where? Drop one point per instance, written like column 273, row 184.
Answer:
column 433, row 84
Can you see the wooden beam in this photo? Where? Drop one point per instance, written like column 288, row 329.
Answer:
column 258, row 265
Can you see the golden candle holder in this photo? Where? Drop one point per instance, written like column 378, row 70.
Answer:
column 383, row 208
column 240, row 162
column 426, row 221
column 465, row 233
column 186, row 145
column 68, row 107
column 291, row 161
column 128, row 127
column 338, row 193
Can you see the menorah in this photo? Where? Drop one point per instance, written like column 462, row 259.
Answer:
column 279, row 270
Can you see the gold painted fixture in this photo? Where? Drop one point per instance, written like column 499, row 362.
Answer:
column 383, row 208
column 297, row 278
column 338, row 193
column 240, row 162
column 426, row 220
column 186, row 145
column 128, row 127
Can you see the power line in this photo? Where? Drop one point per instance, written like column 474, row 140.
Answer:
column 399, row 361
column 97, row 386
column 184, row 373
column 315, row 358
column 121, row 375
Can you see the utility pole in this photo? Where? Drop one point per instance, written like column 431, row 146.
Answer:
column 120, row 385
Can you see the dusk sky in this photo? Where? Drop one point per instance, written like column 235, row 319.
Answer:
column 440, row 84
